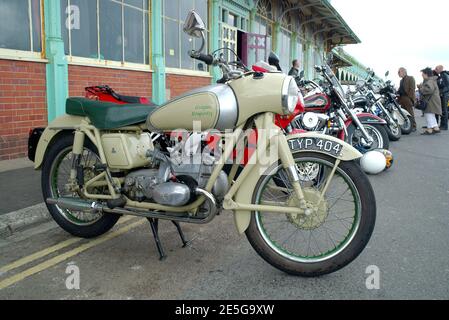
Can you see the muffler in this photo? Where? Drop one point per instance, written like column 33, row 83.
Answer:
column 76, row 204
column 94, row 207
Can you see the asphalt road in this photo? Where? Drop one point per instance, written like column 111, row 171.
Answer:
column 409, row 246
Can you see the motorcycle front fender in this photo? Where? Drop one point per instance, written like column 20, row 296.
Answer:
column 405, row 112
column 63, row 123
column 245, row 193
column 367, row 118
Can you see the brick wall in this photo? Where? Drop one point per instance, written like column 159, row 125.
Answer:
column 22, row 105
column 125, row 82
column 23, row 95
column 179, row 84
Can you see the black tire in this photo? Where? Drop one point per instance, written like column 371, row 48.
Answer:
column 381, row 130
column 392, row 135
column 407, row 127
column 335, row 263
column 95, row 229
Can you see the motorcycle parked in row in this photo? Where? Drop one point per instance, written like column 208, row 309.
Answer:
column 302, row 200
column 328, row 110
column 390, row 100
column 371, row 97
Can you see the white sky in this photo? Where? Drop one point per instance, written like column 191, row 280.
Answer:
column 394, row 33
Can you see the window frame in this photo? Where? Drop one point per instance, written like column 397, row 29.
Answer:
column 181, row 71
column 112, row 64
column 24, row 55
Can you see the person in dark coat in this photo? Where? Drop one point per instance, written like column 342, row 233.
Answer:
column 431, row 95
column 443, row 86
column 407, row 97
column 295, row 71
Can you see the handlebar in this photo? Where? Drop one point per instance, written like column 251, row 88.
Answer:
column 206, row 58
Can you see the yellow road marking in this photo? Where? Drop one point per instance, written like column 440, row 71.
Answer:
column 57, row 259
column 49, row 250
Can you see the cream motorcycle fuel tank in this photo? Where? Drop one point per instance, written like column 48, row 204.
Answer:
column 224, row 106
column 211, row 107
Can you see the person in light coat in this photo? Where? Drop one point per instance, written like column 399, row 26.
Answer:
column 431, row 94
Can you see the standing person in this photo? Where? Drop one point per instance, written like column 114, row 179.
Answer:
column 407, row 97
column 295, row 71
column 431, row 95
column 443, row 85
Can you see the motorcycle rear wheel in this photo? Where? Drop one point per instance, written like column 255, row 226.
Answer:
column 307, row 260
column 55, row 174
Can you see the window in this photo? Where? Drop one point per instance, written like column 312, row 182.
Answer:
column 177, row 43
column 112, row 30
column 263, row 27
column 284, row 54
column 20, row 25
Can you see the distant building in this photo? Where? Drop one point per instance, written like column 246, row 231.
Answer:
column 53, row 49
column 349, row 69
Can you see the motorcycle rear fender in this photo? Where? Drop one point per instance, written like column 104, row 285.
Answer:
column 245, row 194
column 63, row 123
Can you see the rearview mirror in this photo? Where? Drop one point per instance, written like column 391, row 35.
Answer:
column 194, row 25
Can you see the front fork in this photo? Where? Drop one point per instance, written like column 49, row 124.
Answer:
column 391, row 121
column 289, row 164
column 369, row 140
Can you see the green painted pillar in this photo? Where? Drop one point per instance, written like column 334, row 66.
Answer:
column 252, row 20
column 214, row 27
column 293, row 46
column 277, row 38
column 252, row 29
column 57, row 67
column 157, row 59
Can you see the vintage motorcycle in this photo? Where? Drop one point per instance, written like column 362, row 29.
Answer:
column 305, row 205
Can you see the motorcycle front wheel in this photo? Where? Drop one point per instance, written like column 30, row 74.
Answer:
column 394, row 132
column 407, row 127
column 328, row 239
column 377, row 132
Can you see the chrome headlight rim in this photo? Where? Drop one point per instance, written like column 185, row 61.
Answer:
column 290, row 96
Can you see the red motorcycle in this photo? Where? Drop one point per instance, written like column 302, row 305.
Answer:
column 329, row 111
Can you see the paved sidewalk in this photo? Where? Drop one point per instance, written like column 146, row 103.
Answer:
column 20, row 188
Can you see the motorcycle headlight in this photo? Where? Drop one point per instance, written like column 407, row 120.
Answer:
column 290, row 96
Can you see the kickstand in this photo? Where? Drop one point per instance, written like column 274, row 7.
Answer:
column 154, row 223
column 181, row 234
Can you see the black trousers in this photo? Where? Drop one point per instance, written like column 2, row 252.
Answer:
column 444, row 117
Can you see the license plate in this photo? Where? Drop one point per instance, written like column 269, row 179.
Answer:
column 316, row 144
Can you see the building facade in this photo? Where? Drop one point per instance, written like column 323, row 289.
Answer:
column 52, row 49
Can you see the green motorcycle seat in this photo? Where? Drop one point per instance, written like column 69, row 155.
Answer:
column 108, row 115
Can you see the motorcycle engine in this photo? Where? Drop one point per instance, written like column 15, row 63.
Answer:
column 310, row 121
column 174, row 180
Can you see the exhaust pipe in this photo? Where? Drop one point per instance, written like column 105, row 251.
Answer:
column 94, row 207
column 76, row 204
